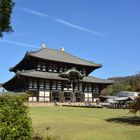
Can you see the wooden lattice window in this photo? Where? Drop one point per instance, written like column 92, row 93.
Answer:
column 39, row 66
column 90, row 88
column 60, row 69
column 54, row 68
column 54, row 85
column 47, row 85
column 50, row 68
column 88, row 96
column 95, row 89
column 32, row 84
column 59, row 85
column 43, row 67
column 41, row 84
column 44, row 96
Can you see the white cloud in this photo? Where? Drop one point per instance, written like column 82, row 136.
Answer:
column 36, row 13
column 19, row 43
column 64, row 22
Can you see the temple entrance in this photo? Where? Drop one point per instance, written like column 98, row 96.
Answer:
column 55, row 96
column 67, row 96
column 78, row 96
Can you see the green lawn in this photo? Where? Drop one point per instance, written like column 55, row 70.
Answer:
column 69, row 123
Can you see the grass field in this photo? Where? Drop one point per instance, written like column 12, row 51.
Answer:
column 69, row 123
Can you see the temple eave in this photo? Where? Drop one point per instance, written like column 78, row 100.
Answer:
column 52, row 76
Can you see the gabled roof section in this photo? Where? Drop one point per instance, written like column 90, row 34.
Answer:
column 72, row 73
column 61, row 56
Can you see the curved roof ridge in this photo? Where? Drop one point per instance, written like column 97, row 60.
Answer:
column 31, row 52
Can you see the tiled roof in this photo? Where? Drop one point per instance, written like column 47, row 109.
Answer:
column 61, row 56
column 40, row 74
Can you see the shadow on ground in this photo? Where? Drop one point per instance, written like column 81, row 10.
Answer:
column 133, row 120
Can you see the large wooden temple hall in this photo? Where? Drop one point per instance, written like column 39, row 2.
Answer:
column 50, row 75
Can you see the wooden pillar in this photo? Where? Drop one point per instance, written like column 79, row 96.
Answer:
column 71, row 96
column 51, row 97
column 27, row 84
column 61, row 97
column 62, row 91
column 82, row 97
column 83, row 86
column 73, row 92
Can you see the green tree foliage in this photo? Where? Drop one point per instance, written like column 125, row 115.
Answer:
column 6, row 7
column 129, row 83
column 135, row 106
column 15, row 123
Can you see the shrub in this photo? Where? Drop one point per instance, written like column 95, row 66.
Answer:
column 15, row 123
column 135, row 106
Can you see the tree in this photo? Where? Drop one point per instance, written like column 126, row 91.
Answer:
column 135, row 106
column 15, row 123
column 128, row 83
column 6, row 7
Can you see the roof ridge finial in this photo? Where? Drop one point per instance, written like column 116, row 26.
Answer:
column 62, row 49
column 44, row 45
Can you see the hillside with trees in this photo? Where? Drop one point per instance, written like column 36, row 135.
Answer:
column 128, row 83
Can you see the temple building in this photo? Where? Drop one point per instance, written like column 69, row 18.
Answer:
column 50, row 75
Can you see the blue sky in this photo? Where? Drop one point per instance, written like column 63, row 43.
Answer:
column 104, row 31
